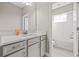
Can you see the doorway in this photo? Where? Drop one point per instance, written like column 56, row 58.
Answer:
column 64, row 33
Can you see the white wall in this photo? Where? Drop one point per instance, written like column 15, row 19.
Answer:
column 42, row 16
column 10, row 17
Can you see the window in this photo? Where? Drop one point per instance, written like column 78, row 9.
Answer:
column 26, row 23
column 60, row 18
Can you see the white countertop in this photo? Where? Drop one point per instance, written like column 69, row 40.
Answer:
column 4, row 40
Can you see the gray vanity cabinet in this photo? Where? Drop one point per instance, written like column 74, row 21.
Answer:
column 21, row 53
column 34, row 47
column 43, row 50
column 43, row 45
column 34, row 50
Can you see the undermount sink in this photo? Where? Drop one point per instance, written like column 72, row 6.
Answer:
column 29, row 34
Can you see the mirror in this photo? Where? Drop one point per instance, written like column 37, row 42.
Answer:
column 25, row 23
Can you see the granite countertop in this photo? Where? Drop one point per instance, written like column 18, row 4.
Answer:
column 4, row 40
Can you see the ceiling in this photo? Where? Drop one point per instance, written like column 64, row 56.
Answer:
column 19, row 4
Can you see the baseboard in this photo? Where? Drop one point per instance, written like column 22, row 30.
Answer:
column 63, row 48
column 47, row 54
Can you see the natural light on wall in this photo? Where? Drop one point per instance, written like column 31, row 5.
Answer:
column 29, row 3
column 60, row 18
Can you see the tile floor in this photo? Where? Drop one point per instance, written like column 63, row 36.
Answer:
column 59, row 52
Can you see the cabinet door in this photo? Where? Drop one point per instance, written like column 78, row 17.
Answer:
column 34, row 50
column 43, row 45
column 21, row 53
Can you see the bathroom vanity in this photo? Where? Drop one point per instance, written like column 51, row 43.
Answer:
column 33, row 45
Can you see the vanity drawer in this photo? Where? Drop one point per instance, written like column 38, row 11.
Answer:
column 34, row 40
column 21, row 53
column 13, row 47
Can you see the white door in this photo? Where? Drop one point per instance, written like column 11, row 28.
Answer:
column 34, row 50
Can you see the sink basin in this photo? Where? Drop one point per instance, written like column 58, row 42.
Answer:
column 29, row 34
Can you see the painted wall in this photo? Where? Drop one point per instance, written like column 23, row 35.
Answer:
column 10, row 17
column 42, row 17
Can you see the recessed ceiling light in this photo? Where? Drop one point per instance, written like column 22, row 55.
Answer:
column 29, row 3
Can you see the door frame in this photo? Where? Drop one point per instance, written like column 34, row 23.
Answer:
column 75, row 41
column 49, row 34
